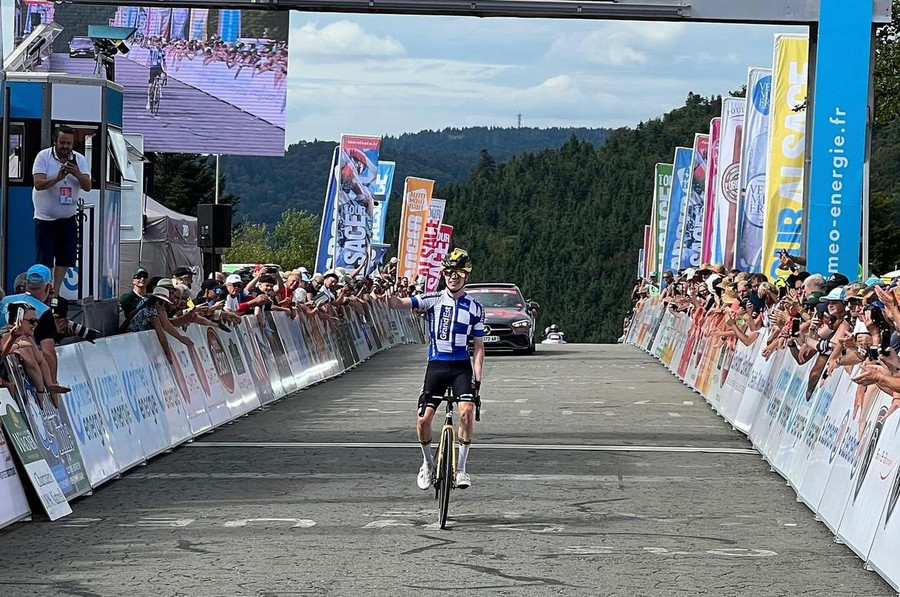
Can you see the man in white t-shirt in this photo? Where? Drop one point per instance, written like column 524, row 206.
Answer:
column 60, row 174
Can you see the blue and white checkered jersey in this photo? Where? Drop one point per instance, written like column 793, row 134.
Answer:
column 451, row 322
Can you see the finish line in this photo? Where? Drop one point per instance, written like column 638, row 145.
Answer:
column 536, row 447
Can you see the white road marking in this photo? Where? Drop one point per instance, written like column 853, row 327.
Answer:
column 485, row 446
column 520, row 400
column 380, row 524
column 299, row 523
column 674, row 415
column 688, row 403
column 524, row 413
column 160, row 522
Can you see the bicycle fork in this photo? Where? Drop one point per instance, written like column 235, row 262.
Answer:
column 443, row 449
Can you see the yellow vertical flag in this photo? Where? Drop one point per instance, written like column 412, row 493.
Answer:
column 787, row 145
column 416, row 205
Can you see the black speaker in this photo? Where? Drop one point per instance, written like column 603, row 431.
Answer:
column 213, row 225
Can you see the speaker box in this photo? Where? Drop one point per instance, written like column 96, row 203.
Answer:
column 213, row 225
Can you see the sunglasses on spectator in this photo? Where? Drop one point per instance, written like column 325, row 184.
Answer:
column 140, row 277
column 32, row 321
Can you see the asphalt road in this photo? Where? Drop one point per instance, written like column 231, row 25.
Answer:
column 594, row 473
column 189, row 120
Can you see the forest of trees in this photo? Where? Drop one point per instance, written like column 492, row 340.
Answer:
column 298, row 180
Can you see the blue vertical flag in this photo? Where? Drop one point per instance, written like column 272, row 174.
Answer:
column 681, row 181
column 382, row 190
column 834, row 217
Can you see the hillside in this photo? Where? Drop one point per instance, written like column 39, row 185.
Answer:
column 566, row 224
column 298, row 180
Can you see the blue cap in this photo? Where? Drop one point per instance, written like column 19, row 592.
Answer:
column 838, row 294
column 873, row 281
column 38, row 273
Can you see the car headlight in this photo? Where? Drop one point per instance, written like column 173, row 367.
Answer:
column 524, row 323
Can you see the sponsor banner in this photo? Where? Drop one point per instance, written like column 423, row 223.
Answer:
column 384, row 181
column 218, row 398
column 112, row 404
column 640, row 263
column 36, row 468
column 755, row 143
column 416, row 204
column 879, row 455
column 193, row 385
column 681, row 180
column 836, row 435
column 167, row 388
column 91, row 434
column 838, row 161
column 289, row 384
column 259, row 370
column 147, row 408
column 886, row 546
column 263, row 351
column 728, row 180
column 791, row 451
column 357, row 171
column 787, row 151
column 662, row 188
column 432, row 225
column 227, row 83
column 441, row 248
column 283, row 324
column 692, row 233
column 243, row 378
column 218, row 366
column 53, row 433
column 328, row 227
column 13, row 503
column 709, row 209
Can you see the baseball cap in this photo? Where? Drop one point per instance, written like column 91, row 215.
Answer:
column 837, row 294
column 303, row 270
column 181, row 272
column 38, row 273
column 689, row 273
column 840, row 279
column 234, row 279
column 140, row 273
column 813, row 299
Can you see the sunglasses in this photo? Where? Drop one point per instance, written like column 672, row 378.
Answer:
column 32, row 321
column 458, row 273
column 140, row 277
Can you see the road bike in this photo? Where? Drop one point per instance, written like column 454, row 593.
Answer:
column 444, row 471
column 156, row 94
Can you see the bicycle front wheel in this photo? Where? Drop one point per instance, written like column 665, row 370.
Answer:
column 446, row 473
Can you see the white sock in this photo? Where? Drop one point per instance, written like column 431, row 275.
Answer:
column 426, row 453
column 463, row 457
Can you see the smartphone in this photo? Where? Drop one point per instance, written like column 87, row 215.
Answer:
column 20, row 315
column 872, row 353
column 795, row 326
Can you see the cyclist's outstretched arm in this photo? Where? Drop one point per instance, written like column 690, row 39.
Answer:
column 399, row 303
column 477, row 358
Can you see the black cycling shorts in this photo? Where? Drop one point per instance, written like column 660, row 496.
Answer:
column 441, row 375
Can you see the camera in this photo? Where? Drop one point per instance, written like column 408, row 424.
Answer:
column 877, row 316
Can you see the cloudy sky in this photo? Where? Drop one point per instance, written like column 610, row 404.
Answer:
column 381, row 74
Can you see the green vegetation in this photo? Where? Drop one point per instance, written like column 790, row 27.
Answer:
column 298, row 180
column 291, row 244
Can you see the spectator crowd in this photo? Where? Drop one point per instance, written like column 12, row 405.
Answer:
column 832, row 321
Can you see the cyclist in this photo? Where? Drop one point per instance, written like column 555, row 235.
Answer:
column 453, row 318
column 157, row 62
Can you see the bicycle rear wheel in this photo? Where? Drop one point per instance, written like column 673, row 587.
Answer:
column 446, row 473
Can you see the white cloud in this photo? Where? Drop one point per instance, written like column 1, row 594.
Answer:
column 620, row 44
column 342, row 38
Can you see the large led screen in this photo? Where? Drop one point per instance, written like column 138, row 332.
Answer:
column 222, row 74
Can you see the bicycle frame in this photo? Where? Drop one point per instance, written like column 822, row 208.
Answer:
column 442, row 449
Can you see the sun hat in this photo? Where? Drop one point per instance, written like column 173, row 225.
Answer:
column 161, row 293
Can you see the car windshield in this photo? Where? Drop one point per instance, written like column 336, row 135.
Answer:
column 82, row 42
column 495, row 297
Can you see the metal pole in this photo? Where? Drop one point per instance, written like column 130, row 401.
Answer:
column 870, row 120
column 807, row 151
column 216, row 201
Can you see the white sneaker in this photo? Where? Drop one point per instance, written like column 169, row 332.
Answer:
column 424, row 478
column 462, row 480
